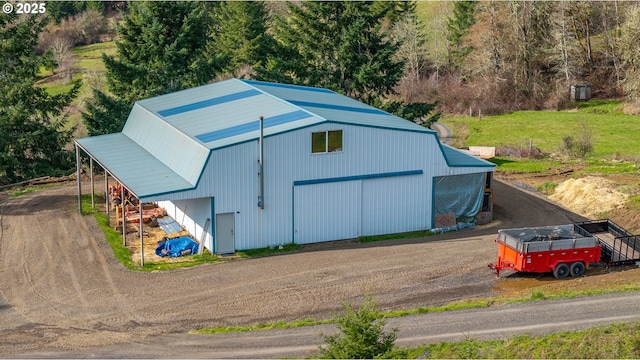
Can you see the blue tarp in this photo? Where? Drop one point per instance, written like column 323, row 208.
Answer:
column 175, row 247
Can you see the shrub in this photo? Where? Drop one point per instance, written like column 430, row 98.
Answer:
column 520, row 151
column 580, row 146
column 361, row 335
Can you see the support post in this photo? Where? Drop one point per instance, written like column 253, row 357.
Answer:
column 93, row 203
column 78, row 166
column 106, row 193
column 124, row 218
column 141, row 236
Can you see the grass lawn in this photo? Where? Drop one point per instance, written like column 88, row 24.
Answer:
column 613, row 133
column 90, row 56
column 87, row 58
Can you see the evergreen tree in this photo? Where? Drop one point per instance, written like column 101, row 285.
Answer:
column 162, row 50
column 360, row 335
column 106, row 114
column 33, row 131
column 338, row 46
column 60, row 10
column 240, row 34
column 395, row 11
column 463, row 18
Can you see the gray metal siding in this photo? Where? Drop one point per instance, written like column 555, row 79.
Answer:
column 234, row 180
column 288, row 158
column 388, row 205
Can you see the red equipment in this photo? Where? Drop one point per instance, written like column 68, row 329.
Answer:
column 561, row 249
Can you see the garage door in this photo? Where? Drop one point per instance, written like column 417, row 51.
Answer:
column 327, row 211
column 393, row 205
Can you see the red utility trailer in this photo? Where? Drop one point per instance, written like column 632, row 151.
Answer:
column 563, row 250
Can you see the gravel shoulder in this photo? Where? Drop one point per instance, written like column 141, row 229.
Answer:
column 62, row 289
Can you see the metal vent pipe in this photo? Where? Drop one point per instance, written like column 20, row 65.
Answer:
column 261, row 192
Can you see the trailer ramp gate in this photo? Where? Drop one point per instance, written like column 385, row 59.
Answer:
column 619, row 247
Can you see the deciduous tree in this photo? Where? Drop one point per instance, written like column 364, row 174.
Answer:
column 630, row 53
column 409, row 33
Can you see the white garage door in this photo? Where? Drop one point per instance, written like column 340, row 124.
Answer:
column 392, row 205
column 328, row 211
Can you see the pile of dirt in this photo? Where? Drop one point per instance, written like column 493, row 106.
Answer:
column 589, row 196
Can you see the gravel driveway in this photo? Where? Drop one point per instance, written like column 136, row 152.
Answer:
column 61, row 287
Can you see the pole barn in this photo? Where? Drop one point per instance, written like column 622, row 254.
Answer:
column 244, row 164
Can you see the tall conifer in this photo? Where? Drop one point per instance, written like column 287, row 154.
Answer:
column 339, row 46
column 162, row 49
column 33, row 126
column 240, row 35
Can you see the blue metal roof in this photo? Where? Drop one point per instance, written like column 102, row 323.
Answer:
column 207, row 103
column 167, row 139
column 227, row 112
column 331, row 106
column 457, row 158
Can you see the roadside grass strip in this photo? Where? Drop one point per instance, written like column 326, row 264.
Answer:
column 536, row 295
column 262, row 326
column 615, row 341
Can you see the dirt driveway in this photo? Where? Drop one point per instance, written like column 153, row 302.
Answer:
column 61, row 288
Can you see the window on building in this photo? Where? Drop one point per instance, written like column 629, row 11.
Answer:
column 326, row 141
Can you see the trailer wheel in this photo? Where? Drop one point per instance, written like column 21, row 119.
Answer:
column 561, row 271
column 577, row 269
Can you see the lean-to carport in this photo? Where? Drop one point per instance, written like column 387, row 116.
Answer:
column 139, row 172
column 107, row 205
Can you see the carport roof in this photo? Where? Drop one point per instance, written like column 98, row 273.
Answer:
column 140, row 171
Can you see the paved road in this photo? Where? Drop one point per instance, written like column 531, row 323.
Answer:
column 444, row 133
column 496, row 322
